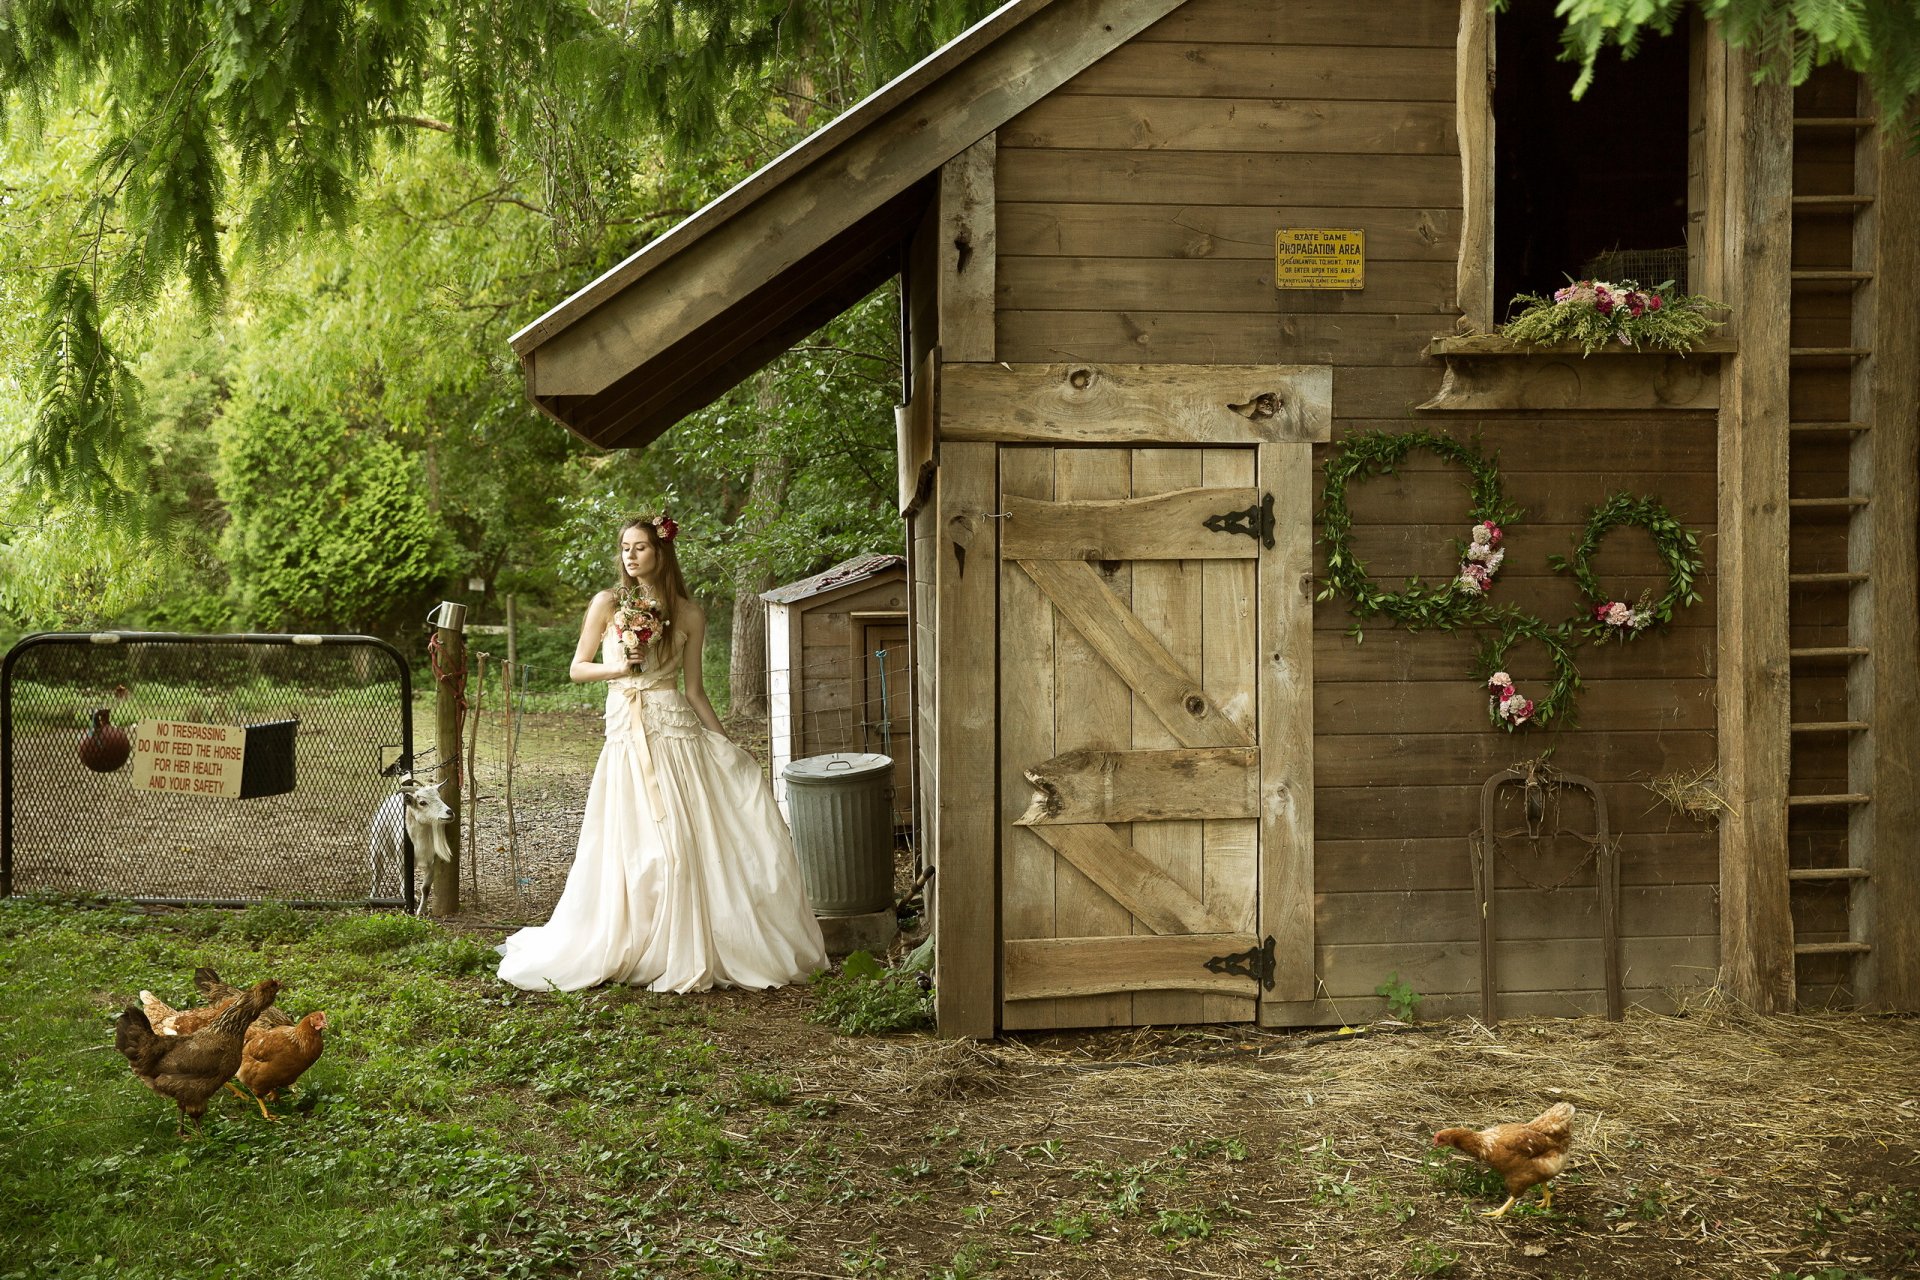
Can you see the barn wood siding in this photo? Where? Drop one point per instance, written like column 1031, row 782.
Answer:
column 824, row 680
column 1136, row 219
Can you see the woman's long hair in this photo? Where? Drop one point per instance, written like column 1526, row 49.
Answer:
column 668, row 580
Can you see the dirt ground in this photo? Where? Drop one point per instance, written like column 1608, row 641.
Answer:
column 1708, row 1144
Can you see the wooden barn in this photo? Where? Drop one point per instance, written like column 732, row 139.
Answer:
column 1165, row 268
column 838, row 671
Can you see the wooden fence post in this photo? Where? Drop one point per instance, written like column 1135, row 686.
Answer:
column 450, row 678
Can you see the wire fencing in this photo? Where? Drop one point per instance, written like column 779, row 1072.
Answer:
column 216, row 770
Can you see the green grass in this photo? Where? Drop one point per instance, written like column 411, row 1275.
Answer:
column 451, row 1129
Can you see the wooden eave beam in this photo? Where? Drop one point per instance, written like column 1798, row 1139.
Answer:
column 702, row 366
column 775, row 221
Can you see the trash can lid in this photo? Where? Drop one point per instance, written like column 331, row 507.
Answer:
column 836, row 766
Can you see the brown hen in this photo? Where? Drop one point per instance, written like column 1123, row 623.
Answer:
column 191, row 1068
column 276, row 1056
column 1524, row 1155
column 169, row 1021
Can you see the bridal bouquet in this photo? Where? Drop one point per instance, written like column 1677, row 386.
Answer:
column 637, row 622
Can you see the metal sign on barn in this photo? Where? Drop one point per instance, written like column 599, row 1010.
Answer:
column 1319, row 258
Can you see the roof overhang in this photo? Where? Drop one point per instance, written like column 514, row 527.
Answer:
column 672, row 328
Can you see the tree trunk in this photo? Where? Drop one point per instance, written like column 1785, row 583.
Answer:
column 772, row 473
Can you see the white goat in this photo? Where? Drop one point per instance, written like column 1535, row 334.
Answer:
column 416, row 811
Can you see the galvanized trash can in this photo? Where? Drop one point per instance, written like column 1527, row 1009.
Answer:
column 841, row 807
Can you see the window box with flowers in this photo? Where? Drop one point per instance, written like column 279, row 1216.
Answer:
column 1673, row 335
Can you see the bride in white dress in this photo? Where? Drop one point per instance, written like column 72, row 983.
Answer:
column 685, row 877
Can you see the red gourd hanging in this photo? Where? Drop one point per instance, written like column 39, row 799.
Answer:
column 104, row 746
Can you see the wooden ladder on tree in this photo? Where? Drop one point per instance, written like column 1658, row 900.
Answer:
column 1831, row 491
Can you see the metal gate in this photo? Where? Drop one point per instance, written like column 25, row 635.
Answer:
column 207, row 770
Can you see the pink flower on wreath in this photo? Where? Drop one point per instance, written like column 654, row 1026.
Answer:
column 1619, row 614
column 1494, row 533
column 1653, row 302
column 1500, row 680
column 1517, row 709
column 1473, row 577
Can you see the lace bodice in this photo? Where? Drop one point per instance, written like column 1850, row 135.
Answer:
column 663, row 661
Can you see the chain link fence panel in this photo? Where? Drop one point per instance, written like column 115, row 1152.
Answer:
column 327, row 727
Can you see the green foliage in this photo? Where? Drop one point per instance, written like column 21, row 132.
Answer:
column 1679, row 549
column 865, row 998
column 1790, row 37
column 1416, row 606
column 1403, row 1002
column 330, row 525
column 1429, row 1259
column 372, row 935
column 1596, row 313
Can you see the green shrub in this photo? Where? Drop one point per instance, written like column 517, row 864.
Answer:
column 865, row 998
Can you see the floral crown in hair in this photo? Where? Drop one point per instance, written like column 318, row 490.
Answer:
column 663, row 526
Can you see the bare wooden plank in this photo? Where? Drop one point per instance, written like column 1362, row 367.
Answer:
column 1162, row 526
column 1571, row 911
column 1027, row 697
column 1200, row 123
column 1143, row 785
column 1093, row 708
column 1383, row 812
column 1138, row 884
column 1229, row 671
column 1381, row 22
column 1214, row 285
column 913, row 427
column 1473, row 100
column 1422, row 759
column 968, row 252
column 1112, row 632
column 1349, row 1011
column 1890, row 915
column 1756, row 929
column 1136, row 404
column 1201, row 337
column 1070, row 229
column 1227, row 177
column 1053, row 968
column 1208, row 69
column 967, row 920
column 1420, row 864
column 1286, row 693
column 1476, row 384
column 1459, row 706
column 1525, row 964
column 1167, row 600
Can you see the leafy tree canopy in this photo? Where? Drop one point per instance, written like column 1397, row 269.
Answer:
column 230, row 127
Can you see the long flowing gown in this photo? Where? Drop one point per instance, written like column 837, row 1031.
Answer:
column 685, row 877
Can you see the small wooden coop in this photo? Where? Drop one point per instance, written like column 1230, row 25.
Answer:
column 1198, row 305
column 838, row 673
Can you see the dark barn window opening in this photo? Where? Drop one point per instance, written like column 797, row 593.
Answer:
column 1594, row 188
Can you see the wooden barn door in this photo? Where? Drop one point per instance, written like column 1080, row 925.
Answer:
column 1131, row 582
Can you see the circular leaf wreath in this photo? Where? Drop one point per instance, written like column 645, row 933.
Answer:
column 1508, row 706
column 1376, row 453
column 1679, row 547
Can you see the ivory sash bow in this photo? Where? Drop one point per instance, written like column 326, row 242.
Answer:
column 643, row 747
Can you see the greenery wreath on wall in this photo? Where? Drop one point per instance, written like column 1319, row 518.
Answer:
column 1442, row 606
column 1507, row 707
column 1679, row 548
